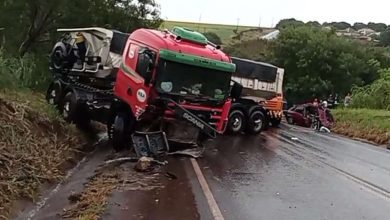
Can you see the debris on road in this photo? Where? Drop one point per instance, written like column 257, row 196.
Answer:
column 144, row 164
column 121, row 160
column 170, row 175
column 324, row 129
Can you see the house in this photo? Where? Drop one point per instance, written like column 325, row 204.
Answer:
column 366, row 31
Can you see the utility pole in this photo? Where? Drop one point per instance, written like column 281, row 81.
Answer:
column 238, row 22
column 260, row 21
column 200, row 19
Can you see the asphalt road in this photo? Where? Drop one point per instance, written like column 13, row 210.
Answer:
column 286, row 173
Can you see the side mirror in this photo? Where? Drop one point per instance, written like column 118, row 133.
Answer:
column 145, row 64
column 236, row 90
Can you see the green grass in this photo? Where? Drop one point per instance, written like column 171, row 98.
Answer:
column 225, row 32
column 370, row 124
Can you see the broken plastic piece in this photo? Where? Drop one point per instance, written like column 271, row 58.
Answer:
column 150, row 143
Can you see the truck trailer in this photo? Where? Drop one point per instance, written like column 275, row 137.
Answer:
column 262, row 89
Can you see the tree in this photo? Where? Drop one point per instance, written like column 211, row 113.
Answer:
column 313, row 23
column 338, row 25
column 359, row 25
column 317, row 63
column 42, row 17
column 378, row 27
column 290, row 22
column 213, row 37
column 384, row 38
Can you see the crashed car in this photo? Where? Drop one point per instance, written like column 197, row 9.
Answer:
column 309, row 115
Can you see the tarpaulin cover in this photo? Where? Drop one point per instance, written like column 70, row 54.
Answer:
column 254, row 70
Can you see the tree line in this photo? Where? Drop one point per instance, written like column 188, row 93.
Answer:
column 317, row 62
column 28, row 30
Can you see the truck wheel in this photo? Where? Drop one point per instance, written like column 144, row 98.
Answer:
column 255, row 122
column 236, row 122
column 53, row 94
column 276, row 122
column 120, row 131
column 74, row 112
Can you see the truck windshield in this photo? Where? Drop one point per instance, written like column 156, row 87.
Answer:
column 183, row 79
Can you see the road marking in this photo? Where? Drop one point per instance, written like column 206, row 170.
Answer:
column 379, row 191
column 214, row 208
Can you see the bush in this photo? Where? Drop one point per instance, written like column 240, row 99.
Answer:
column 375, row 95
column 27, row 72
column 213, row 37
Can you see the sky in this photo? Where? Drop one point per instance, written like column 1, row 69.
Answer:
column 267, row 13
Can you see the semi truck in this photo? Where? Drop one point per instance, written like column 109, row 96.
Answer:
column 145, row 80
column 262, row 89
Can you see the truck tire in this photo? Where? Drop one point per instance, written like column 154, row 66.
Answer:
column 120, row 129
column 73, row 111
column 236, row 122
column 256, row 122
column 275, row 122
column 54, row 93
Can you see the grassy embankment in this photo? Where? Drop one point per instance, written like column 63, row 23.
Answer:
column 36, row 147
column 369, row 124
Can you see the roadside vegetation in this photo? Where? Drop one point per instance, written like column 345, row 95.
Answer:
column 369, row 124
column 36, row 145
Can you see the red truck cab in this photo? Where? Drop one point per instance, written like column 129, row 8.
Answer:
column 161, row 69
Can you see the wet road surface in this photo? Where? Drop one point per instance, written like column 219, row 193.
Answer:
column 286, row 173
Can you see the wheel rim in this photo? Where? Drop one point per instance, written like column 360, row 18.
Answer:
column 258, row 122
column 52, row 97
column 66, row 109
column 236, row 123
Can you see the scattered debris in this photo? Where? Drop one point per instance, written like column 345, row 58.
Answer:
column 144, row 164
column 170, row 175
column 122, row 160
column 193, row 152
column 149, row 144
column 324, row 129
column 74, row 197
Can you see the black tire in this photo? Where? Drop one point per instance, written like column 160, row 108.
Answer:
column 236, row 122
column 290, row 120
column 120, row 128
column 255, row 122
column 73, row 111
column 275, row 122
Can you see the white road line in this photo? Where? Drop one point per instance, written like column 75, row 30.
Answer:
column 216, row 212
